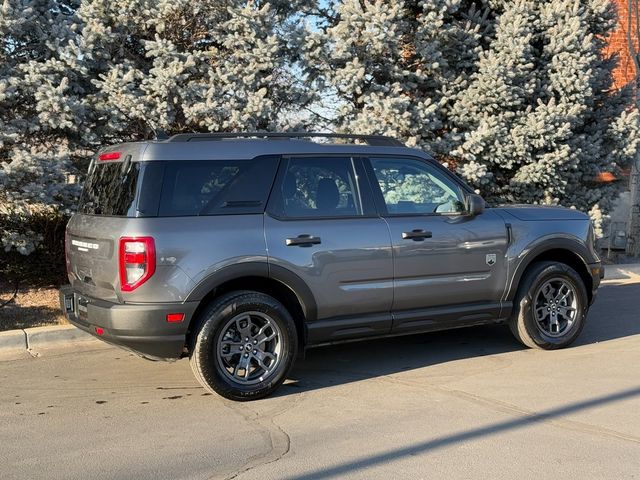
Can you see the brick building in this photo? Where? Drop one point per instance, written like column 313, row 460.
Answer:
column 624, row 227
column 618, row 44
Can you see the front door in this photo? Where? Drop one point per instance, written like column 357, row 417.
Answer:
column 322, row 226
column 449, row 267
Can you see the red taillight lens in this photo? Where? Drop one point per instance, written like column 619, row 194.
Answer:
column 109, row 156
column 137, row 258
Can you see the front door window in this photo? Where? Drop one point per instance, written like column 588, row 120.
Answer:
column 412, row 187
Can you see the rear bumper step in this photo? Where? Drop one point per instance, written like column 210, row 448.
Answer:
column 142, row 329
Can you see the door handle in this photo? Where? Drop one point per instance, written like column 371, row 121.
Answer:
column 416, row 235
column 303, row 241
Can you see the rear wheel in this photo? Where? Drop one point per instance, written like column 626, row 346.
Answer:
column 551, row 306
column 245, row 346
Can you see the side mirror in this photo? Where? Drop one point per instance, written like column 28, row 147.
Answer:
column 475, row 205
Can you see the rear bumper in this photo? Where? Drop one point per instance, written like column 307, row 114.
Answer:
column 597, row 274
column 142, row 329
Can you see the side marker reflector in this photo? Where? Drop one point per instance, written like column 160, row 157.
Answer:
column 175, row 317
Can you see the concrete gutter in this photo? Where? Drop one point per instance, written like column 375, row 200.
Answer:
column 33, row 341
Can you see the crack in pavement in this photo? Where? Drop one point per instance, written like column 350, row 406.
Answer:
column 278, row 439
column 514, row 410
column 493, row 404
column 280, row 442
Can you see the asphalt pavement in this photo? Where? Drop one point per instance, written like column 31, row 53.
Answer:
column 469, row 403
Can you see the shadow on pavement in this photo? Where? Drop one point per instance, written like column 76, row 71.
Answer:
column 345, row 468
column 613, row 315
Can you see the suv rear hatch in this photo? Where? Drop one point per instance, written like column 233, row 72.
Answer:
column 109, row 198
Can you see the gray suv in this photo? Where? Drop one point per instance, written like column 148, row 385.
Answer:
column 240, row 251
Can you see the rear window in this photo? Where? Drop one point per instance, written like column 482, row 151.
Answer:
column 181, row 188
column 110, row 189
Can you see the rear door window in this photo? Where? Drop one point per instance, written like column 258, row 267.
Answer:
column 318, row 187
column 218, row 187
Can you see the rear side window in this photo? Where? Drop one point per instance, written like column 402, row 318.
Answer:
column 180, row 188
column 110, row 189
column 218, row 187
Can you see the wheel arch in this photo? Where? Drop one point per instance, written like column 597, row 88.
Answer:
column 561, row 250
column 275, row 281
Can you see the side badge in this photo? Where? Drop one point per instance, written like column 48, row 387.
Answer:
column 491, row 259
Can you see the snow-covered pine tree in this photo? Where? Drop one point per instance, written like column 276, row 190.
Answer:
column 75, row 76
column 180, row 65
column 40, row 111
column 540, row 118
column 392, row 67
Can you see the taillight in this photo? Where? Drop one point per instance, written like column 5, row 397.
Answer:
column 137, row 257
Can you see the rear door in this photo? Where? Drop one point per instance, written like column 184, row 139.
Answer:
column 323, row 227
column 449, row 266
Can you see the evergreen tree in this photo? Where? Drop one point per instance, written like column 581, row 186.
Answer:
column 75, row 76
column 514, row 94
column 179, row 65
column 540, row 118
column 40, row 110
column 392, row 67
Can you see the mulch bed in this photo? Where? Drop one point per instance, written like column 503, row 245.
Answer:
column 31, row 307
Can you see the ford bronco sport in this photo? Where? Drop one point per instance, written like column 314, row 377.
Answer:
column 241, row 250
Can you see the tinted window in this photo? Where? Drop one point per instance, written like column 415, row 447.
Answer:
column 318, row 187
column 410, row 186
column 216, row 187
column 152, row 174
column 110, row 189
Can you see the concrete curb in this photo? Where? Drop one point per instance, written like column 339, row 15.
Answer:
column 622, row 272
column 13, row 341
column 54, row 336
column 33, row 340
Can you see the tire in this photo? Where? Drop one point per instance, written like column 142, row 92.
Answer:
column 540, row 297
column 226, row 363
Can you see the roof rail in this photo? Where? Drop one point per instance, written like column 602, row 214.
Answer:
column 372, row 140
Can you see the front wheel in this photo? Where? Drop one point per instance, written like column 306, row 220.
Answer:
column 551, row 306
column 245, row 346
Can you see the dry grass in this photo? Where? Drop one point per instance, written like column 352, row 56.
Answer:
column 32, row 307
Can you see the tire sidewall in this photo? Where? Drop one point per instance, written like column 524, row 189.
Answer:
column 534, row 281
column 211, row 330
